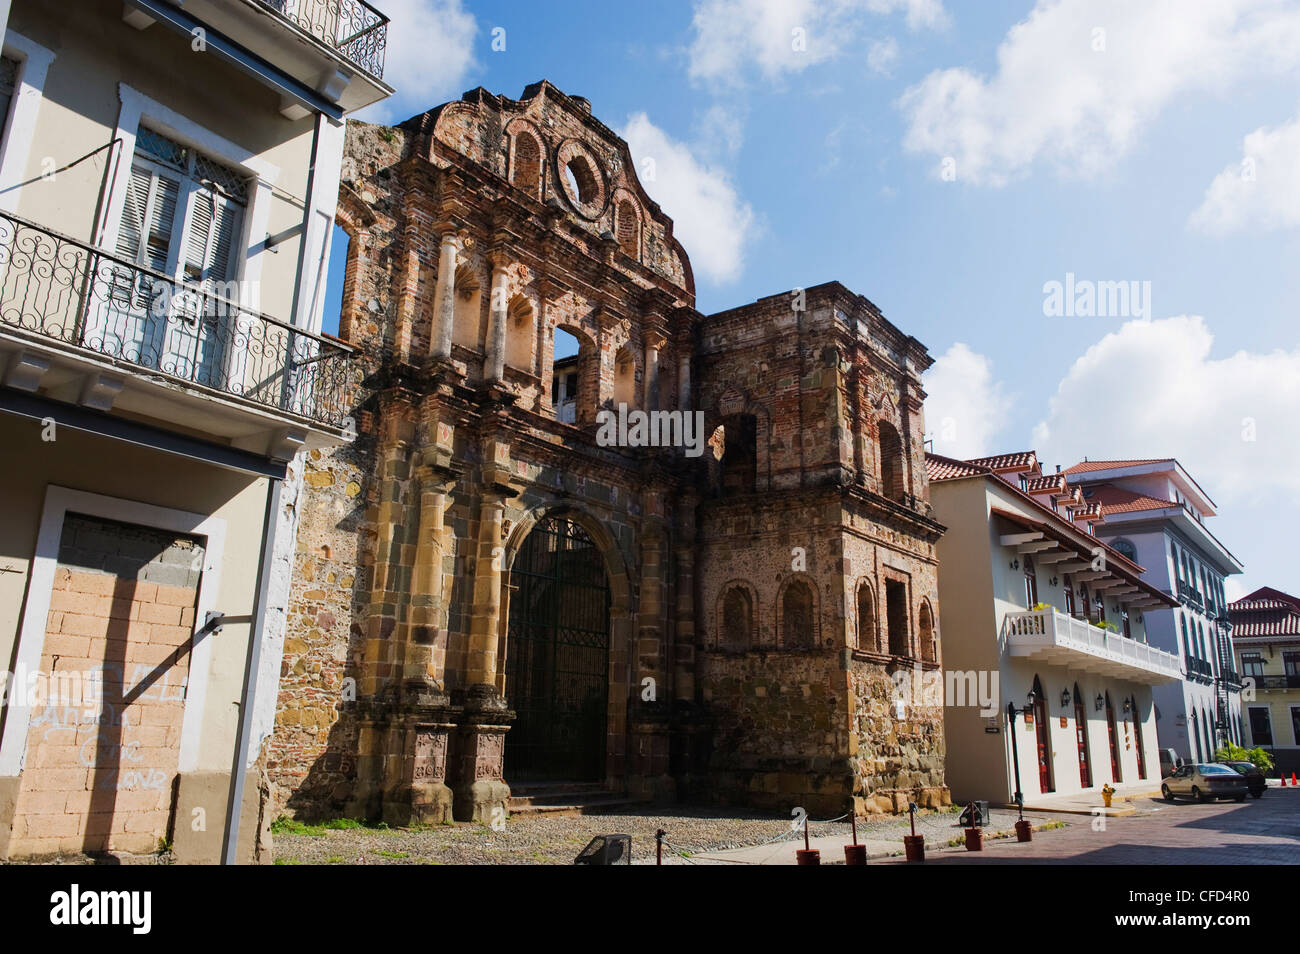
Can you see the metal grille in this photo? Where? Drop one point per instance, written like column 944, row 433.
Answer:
column 212, row 174
column 557, row 657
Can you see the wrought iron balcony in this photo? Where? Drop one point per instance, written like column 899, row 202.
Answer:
column 1189, row 594
column 353, row 28
column 1278, row 682
column 1074, row 643
column 55, row 290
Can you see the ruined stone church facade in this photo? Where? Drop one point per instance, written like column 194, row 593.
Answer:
column 488, row 599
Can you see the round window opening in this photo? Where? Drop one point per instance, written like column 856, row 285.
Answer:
column 580, row 181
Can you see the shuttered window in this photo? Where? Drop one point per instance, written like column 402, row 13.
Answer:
column 8, row 84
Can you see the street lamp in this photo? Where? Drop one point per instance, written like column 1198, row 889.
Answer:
column 1015, row 746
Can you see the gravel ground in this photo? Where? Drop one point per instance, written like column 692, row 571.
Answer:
column 552, row 839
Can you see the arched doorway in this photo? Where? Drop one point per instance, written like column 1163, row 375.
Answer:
column 1043, row 738
column 1081, row 736
column 1114, row 741
column 557, row 656
column 1137, row 737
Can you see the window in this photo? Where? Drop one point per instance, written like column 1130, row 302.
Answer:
column 1295, row 725
column 1031, row 583
column 867, row 639
column 1125, row 548
column 8, row 83
column 896, row 618
column 737, row 619
column 925, row 629
column 182, row 216
column 1069, row 597
column 1261, row 728
column 797, row 616
column 892, row 475
column 580, row 181
column 740, row 454
column 1291, row 663
column 564, row 377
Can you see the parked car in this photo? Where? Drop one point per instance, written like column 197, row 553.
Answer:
column 1204, row 781
column 1254, row 777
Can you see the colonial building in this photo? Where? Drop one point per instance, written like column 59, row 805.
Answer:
column 168, row 180
column 493, row 599
column 1039, row 613
column 1266, row 634
column 1156, row 514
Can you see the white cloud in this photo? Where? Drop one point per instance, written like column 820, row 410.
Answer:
column 1151, row 389
column 883, row 55
column 430, row 54
column 709, row 217
column 1078, row 81
column 965, row 408
column 786, row 36
column 1262, row 190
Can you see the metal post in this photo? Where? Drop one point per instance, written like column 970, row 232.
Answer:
column 230, row 843
column 1015, row 755
column 659, row 846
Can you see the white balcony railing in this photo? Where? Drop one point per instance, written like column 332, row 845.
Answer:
column 1057, row 638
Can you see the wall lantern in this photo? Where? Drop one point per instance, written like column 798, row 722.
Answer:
column 1128, row 707
column 1015, row 564
column 1054, row 581
column 1065, row 698
column 1101, row 703
column 1030, row 699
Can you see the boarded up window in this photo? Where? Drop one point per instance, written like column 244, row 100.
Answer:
column 737, row 619
column 103, row 745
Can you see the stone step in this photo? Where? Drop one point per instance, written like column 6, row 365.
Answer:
column 528, row 806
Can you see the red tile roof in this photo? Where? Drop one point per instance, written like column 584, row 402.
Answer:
column 938, row 467
column 1265, row 613
column 1087, row 466
column 1024, row 459
column 1118, row 500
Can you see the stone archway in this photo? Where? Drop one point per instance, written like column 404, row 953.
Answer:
column 565, row 605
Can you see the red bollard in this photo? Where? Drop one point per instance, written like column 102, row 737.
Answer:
column 806, row 855
column 1024, row 831
column 913, row 844
column 974, row 839
column 855, row 854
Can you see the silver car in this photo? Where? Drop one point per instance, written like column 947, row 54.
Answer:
column 1204, row 782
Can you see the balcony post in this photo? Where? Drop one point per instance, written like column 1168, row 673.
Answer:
column 444, row 295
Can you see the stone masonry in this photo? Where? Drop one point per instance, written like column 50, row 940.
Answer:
column 758, row 599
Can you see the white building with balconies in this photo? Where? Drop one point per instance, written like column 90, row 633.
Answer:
column 1156, row 514
column 1028, row 593
column 169, row 176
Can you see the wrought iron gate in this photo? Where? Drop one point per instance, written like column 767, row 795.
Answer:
column 557, row 657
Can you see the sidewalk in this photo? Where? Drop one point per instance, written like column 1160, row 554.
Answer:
column 1090, row 803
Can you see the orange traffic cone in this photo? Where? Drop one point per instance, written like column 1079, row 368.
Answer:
column 1283, row 779
column 1293, row 778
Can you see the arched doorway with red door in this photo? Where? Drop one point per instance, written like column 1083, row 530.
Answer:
column 1081, row 738
column 1042, row 735
column 1112, row 736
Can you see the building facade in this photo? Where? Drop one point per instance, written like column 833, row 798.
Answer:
column 1040, row 614
column 520, row 600
column 1266, row 636
column 162, row 253
column 1155, row 513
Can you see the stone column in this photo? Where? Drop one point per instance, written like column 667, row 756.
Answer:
column 481, row 655
column 444, row 297
column 423, row 797
column 684, row 645
column 494, row 368
column 426, row 651
column 653, row 342
column 684, row 381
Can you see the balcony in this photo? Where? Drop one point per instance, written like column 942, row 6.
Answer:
column 1190, row 594
column 1065, row 641
column 1199, row 670
column 354, row 29
column 1276, row 683
column 334, row 48
column 1231, row 678
column 80, row 324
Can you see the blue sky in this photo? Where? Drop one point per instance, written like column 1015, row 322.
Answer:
column 947, row 160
